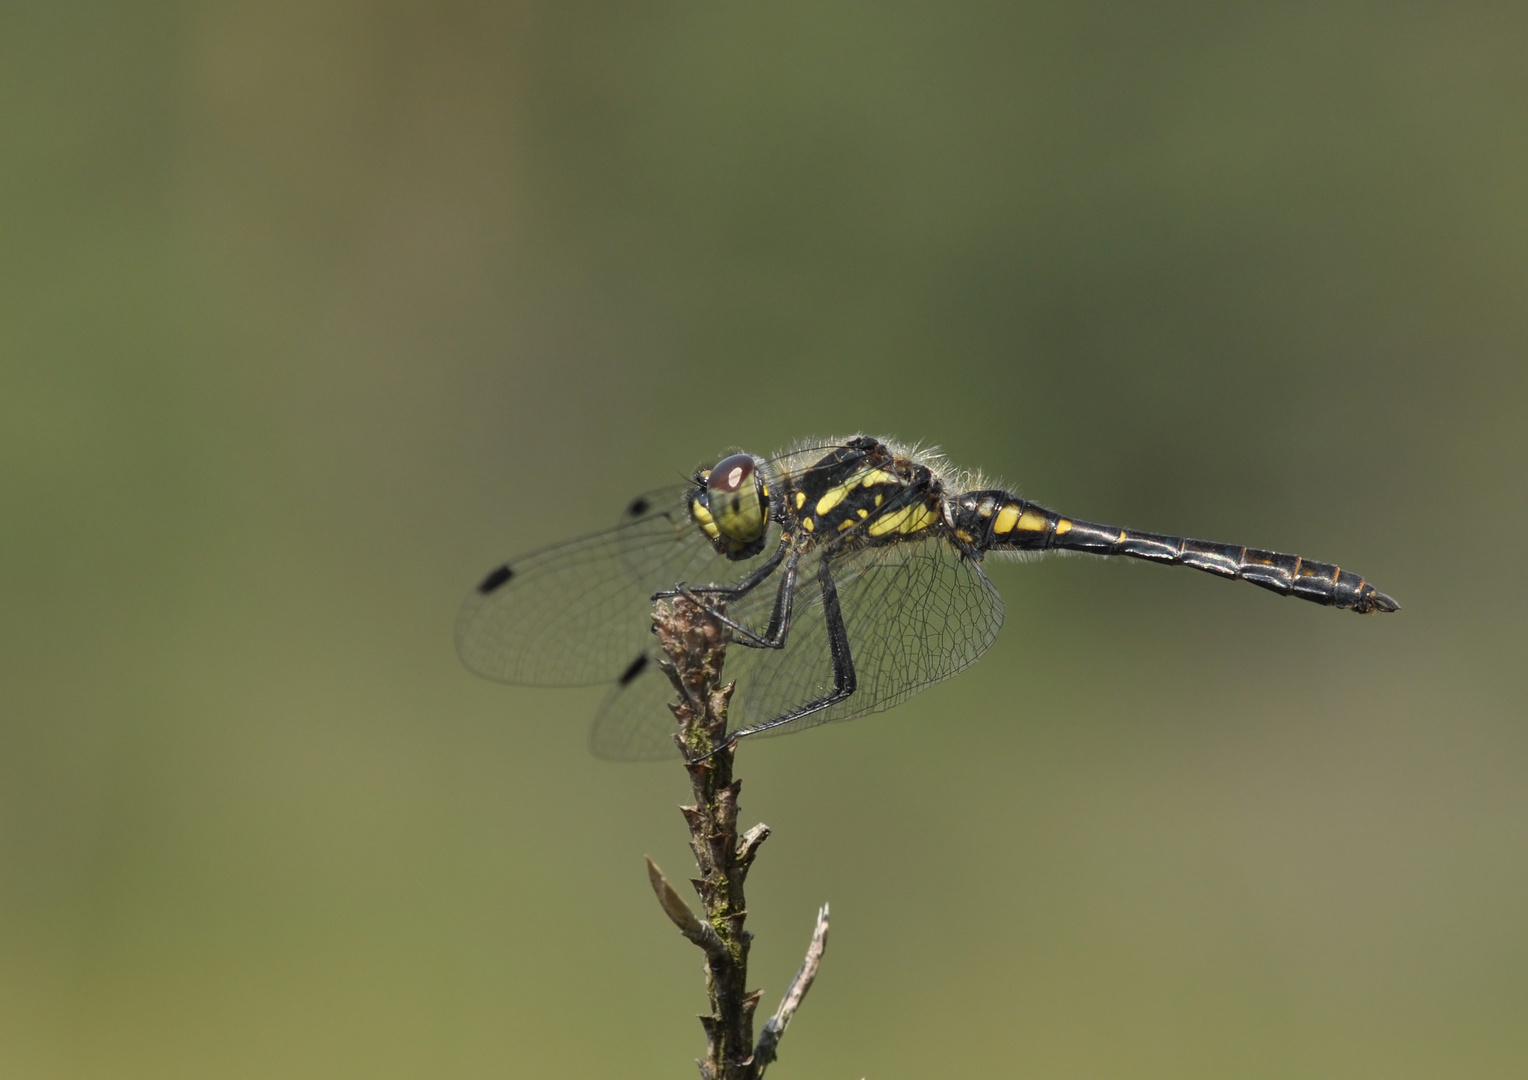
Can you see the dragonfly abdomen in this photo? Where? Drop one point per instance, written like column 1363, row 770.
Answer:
column 998, row 521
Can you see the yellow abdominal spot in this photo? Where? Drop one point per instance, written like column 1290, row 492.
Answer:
column 1006, row 518
column 1033, row 521
column 1063, row 527
column 831, row 499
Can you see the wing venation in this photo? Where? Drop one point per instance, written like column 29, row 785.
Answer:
column 915, row 613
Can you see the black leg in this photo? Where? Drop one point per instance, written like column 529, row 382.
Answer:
column 844, row 680
column 732, row 592
column 779, row 619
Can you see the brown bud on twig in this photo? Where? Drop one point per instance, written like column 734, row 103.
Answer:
column 677, row 910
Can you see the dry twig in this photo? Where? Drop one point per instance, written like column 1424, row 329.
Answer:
column 694, row 645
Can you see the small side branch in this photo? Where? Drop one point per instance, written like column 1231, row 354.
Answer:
column 774, row 1027
column 748, row 846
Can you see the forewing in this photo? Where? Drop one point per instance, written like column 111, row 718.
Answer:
column 580, row 612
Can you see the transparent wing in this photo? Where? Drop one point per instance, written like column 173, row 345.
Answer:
column 915, row 614
column 580, row 612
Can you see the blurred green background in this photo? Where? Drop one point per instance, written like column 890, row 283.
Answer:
column 313, row 312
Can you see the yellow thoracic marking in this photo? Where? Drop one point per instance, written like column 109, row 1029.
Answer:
column 800, row 499
column 1063, row 527
column 1006, row 518
column 832, row 499
column 877, row 476
column 878, row 499
column 921, row 518
column 863, row 513
column 890, row 522
column 808, row 525
column 964, row 536
column 1033, row 521
column 908, row 520
column 847, row 523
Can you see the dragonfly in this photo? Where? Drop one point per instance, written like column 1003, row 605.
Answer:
column 848, row 572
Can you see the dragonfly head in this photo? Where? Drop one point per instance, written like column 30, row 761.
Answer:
column 731, row 505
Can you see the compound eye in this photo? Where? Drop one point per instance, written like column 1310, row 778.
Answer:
column 736, row 501
column 730, row 474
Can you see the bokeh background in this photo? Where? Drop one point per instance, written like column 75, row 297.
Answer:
column 310, row 313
